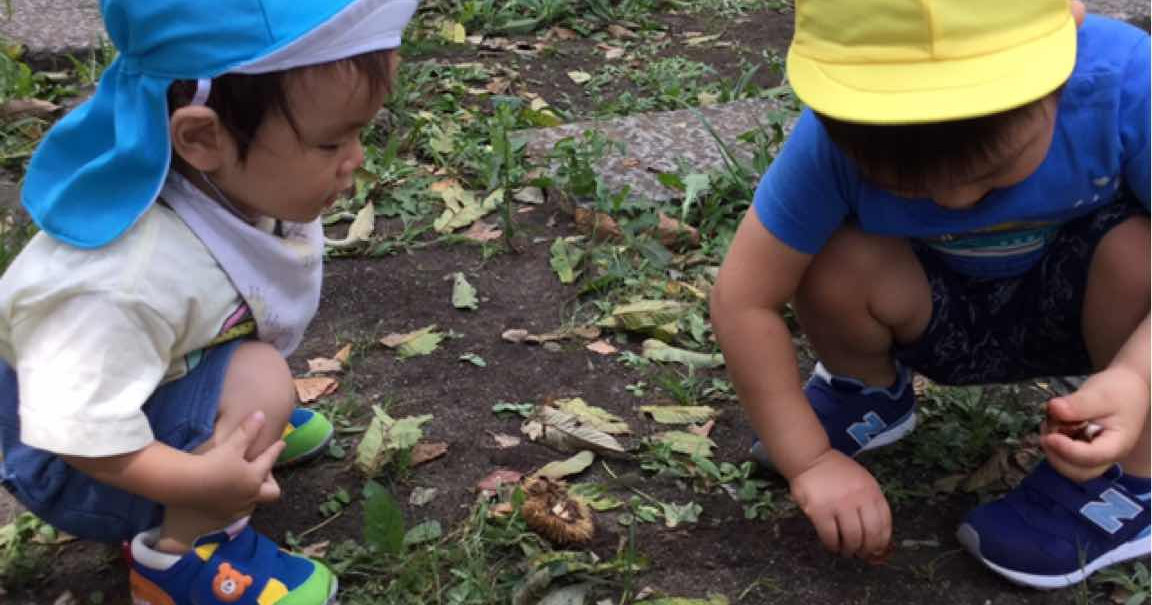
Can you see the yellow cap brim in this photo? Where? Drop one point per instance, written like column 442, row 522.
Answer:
column 939, row 90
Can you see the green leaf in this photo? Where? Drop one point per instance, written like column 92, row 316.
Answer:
column 463, row 294
column 523, row 409
column 424, row 532
column 424, row 343
column 383, row 520
column 593, row 417
column 686, row 443
column 658, row 350
column 593, row 494
column 679, row 414
column 648, row 315
column 566, row 260
column 564, row 468
column 566, row 433
column 384, row 437
column 675, row 514
column 474, row 359
column 461, row 208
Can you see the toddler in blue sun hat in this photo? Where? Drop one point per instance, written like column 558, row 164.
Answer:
column 144, row 393
column 966, row 197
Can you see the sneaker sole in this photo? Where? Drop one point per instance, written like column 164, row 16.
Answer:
column 895, row 433
column 1134, row 549
column 332, row 600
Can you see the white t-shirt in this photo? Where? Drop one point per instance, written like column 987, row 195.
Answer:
column 93, row 333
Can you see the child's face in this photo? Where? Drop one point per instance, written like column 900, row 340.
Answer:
column 293, row 174
column 1024, row 152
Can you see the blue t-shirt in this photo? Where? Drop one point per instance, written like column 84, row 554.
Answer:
column 1100, row 145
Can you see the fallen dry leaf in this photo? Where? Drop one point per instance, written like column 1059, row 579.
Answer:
column 323, row 365
column 497, row 478
column 481, row 231
column 316, row 551
column 427, row 452
column 65, row 598
column 515, row 335
column 24, row 108
column 501, row 510
column 562, row 33
column 703, row 429
column 579, row 77
column 343, row 355
column 504, row 440
column 1007, row 466
column 619, row 31
column 677, row 235
column 498, row 86
column 313, row 388
column 602, row 347
column 611, row 52
column 597, row 225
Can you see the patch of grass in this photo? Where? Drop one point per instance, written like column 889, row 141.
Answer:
column 23, row 549
column 1129, row 582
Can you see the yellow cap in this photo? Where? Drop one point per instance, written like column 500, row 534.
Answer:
column 916, row 61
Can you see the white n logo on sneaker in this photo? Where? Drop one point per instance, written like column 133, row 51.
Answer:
column 866, row 431
column 1111, row 511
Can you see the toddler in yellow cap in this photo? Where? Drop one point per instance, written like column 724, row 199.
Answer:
column 966, row 197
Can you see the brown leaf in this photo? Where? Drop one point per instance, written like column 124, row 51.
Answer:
column 501, row 510
column 602, row 347
column 427, row 452
column 313, row 388
column 596, row 225
column 497, row 478
column 498, row 86
column 27, row 108
column 619, row 31
column 343, row 355
column 481, row 231
column 504, row 440
column 322, row 365
column 515, row 335
column 562, row 33
column 316, row 551
column 703, row 429
column 65, row 598
column 674, row 234
column 611, row 52
column 1006, row 467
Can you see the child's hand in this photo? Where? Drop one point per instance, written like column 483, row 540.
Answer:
column 235, row 485
column 845, row 504
column 1116, row 400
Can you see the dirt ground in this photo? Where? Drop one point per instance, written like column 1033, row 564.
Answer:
column 767, row 561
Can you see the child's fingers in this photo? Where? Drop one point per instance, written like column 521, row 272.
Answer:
column 877, row 523
column 269, row 491
column 1101, row 452
column 1073, row 409
column 851, row 532
column 263, row 463
column 244, row 434
column 829, row 534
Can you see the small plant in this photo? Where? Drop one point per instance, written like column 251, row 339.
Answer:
column 336, row 503
column 1130, row 583
column 22, row 549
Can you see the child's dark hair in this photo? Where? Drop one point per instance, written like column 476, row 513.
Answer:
column 242, row 101
column 913, row 157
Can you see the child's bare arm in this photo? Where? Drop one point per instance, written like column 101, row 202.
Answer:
column 218, row 480
column 759, row 276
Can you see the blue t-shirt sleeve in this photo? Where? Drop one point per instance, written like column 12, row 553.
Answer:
column 802, row 198
column 1135, row 116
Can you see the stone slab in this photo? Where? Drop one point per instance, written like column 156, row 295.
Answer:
column 51, row 30
column 664, row 141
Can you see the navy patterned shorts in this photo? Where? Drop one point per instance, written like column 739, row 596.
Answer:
column 1005, row 330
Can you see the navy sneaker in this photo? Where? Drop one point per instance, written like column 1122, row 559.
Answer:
column 857, row 417
column 1051, row 532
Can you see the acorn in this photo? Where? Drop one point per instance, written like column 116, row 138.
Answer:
column 551, row 512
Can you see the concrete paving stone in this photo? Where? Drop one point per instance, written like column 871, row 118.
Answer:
column 51, row 30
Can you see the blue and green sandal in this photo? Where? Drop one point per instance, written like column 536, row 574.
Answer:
column 306, row 436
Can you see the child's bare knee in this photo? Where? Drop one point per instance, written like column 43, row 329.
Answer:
column 258, row 380
column 839, row 276
column 1121, row 262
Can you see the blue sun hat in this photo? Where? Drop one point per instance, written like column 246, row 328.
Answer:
column 102, row 166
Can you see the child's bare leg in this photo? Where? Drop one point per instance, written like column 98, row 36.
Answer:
column 258, row 379
column 1115, row 304
column 861, row 294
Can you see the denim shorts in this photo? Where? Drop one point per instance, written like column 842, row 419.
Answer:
column 1006, row 330
column 182, row 414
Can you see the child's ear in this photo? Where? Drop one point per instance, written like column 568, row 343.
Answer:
column 199, row 138
column 1078, row 11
